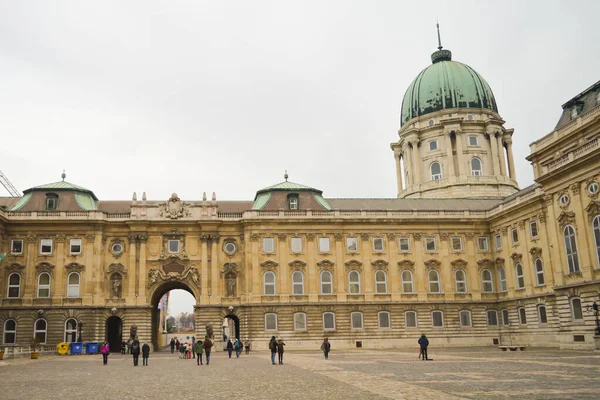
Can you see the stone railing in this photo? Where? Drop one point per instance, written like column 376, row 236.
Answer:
column 65, row 215
column 571, row 156
column 565, row 129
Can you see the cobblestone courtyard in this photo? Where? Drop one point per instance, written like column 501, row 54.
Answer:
column 359, row 374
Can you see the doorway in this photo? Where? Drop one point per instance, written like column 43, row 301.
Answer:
column 231, row 327
column 164, row 303
column 114, row 333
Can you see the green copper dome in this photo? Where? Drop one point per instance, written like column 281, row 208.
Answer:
column 446, row 84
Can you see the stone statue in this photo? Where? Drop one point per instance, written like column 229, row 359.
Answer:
column 209, row 331
column 134, row 197
column 214, row 196
column 153, row 276
column 133, row 332
column 116, row 287
column 230, row 281
column 144, row 196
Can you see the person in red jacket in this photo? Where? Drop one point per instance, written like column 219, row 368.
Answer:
column 207, row 347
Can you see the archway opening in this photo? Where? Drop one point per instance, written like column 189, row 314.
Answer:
column 114, row 333
column 231, row 328
column 172, row 305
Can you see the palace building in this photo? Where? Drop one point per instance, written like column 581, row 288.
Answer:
column 461, row 254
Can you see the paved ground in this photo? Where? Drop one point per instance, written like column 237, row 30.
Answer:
column 357, row 374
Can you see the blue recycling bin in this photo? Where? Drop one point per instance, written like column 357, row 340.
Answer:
column 76, row 347
column 91, row 347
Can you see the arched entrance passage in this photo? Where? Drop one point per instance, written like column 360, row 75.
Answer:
column 157, row 325
column 232, row 322
column 114, row 333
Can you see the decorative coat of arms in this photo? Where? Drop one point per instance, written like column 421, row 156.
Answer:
column 174, row 208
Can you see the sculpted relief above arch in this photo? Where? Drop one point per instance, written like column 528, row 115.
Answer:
column 190, row 275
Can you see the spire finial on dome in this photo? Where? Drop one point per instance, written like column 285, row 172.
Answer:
column 440, row 54
column 286, row 175
column 439, row 39
column 63, row 175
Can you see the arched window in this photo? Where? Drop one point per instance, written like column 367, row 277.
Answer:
column 492, row 318
column 571, row 249
column 356, row 319
column 43, row 285
column 522, row 316
column 380, row 282
column 300, row 321
column 326, row 283
column 410, row 318
column 73, row 285
column 539, row 272
column 437, row 319
column 407, row 282
column 297, row 283
column 270, row 322
column 476, row 169
column 384, row 319
column 14, row 285
column 576, row 311
column 505, row 320
column 269, row 283
column 10, row 331
column 436, row 171
column 502, row 275
column 542, row 314
column 520, row 278
column 70, row 330
column 487, row 283
column 460, row 279
column 434, row 281
column 596, row 228
column 354, row 282
column 465, row 318
column 328, row 321
column 39, row 330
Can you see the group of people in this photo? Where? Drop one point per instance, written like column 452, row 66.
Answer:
column 134, row 349
column 238, row 346
column 193, row 350
column 277, row 347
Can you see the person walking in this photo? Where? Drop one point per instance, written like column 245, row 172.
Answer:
column 207, row 347
column 238, row 348
column 273, row 348
column 325, row 348
column 145, row 354
column 181, row 350
column 135, row 351
column 129, row 347
column 172, row 345
column 193, row 347
column 177, row 344
column 247, row 346
column 229, row 347
column 199, row 350
column 105, row 350
column 424, row 342
column 123, row 347
column 280, row 345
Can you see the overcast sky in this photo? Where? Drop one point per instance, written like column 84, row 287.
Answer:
column 224, row 96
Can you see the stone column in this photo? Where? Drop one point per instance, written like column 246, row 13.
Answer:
column 87, row 276
column 132, row 267
column 311, row 280
column 494, row 151
column 511, row 161
column 368, row 277
column 394, row 281
column 143, row 239
column 214, row 270
column 416, row 161
column 29, row 273
column 257, row 276
column 204, row 292
column 459, row 153
column 420, row 272
column 339, row 280
column 450, row 163
column 502, row 156
column 283, row 289
column 397, row 156
column 406, row 158
column 58, row 288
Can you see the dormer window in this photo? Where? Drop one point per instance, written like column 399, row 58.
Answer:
column 574, row 113
column 51, row 201
column 293, row 203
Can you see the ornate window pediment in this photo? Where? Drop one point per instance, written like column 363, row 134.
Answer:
column 325, row 264
column 406, row 264
column 44, row 266
column 116, row 268
column 14, row 267
column 458, row 263
column 593, row 209
column 380, row 264
column 229, row 268
column 432, row 263
column 269, row 265
column 297, row 264
column 566, row 218
column 174, row 253
column 486, row 263
column 499, row 262
column 535, row 252
column 353, row 264
column 74, row 267
column 516, row 258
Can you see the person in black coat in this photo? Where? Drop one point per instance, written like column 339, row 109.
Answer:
column 145, row 354
column 229, row 347
column 135, row 351
column 172, row 345
column 424, row 342
column 326, row 347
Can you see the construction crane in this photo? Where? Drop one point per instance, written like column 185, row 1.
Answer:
column 9, row 186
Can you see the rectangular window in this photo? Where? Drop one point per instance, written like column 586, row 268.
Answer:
column 542, row 314
column 505, row 320
column 352, row 244
column 324, row 245
column 357, row 320
column 173, row 246
column 16, row 246
column 437, row 319
column 378, row 244
column 498, row 240
column 328, row 320
column 482, row 243
column 300, row 322
column 75, row 246
column 465, row 318
column 473, row 141
column 46, row 246
column 404, row 244
column 456, row 243
column 296, row 244
column 293, row 203
column 533, row 229
column 411, row 319
column 271, row 322
column 384, row 319
column 268, row 245
column 430, row 244
column 515, row 235
column 492, row 318
column 522, row 316
column 433, row 145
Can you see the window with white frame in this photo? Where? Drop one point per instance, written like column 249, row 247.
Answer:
column 268, row 245
column 328, row 321
column 43, row 291
column 476, row 167
column 404, row 244
column 505, row 320
column 430, row 244
column 456, row 243
column 378, row 244
column 482, row 243
column 571, row 249
column 487, row 282
column 324, row 245
column 353, row 282
column 297, row 283
column 539, row 272
column 270, row 322
column 473, row 141
column 437, row 319
column 351, row 244
column 533, row 229
column 465, row 318
column 380, row 282
column 269, row 283
column 433, row 145
column 502, row 276
column 73, row 285
column 10, row 331
column 596, row 229
column 542, row 317
column 576, row 310
column 434, row 281
column 300, row 321
column 515, row 235
column 40, row 328
column 296, row 244
column 522, row 316
column 357, row 320
column 293, row 202
column 384, row 319
column 410, row 319
column 46, row 246
column 14, row 286
column 16, row 246
column 173, row 246
column 70, row 330
column 492, row 318
column 436, row 171
column 460, row 279
column 498, row 240
column 326, row 282
column 520, row 278
column 407, row 282
column 75, row 246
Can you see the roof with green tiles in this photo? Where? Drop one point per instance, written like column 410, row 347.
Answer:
column 288, row 186
column 61, row 186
